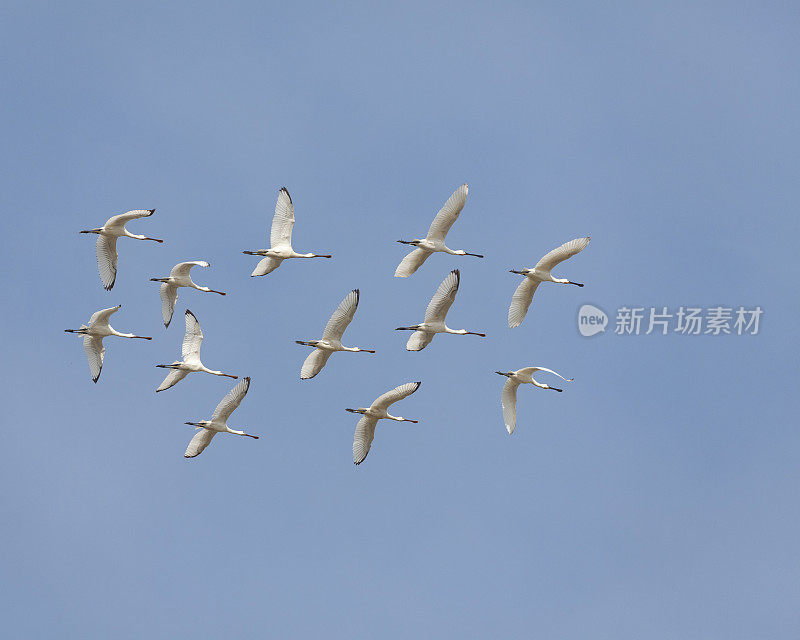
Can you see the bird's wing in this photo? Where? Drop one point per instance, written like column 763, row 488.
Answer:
column 532, row 370
column 566, row 250
column 106, row 249
column 509, row 401
column 229, row 403
column 342, row 317
column 169, row 296
column 266, row 265
column 384, row 401
column 314, row 363
column 173, row 378
column 411, row 263
column 102, row 316
column 199, row 442
column 448, row 214
column 283, row 222
column 123, row 218
column 443, row 298
column 521, row 301
column 182, row 269
column 193, row 337
column 362, row 438
column 419, row 340
column 95, row 352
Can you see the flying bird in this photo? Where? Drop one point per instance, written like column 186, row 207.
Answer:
column 190, row 352
column 207, row 429
column 280, row 240
column 178, row 277
column 365, row 429
column 435, row 315
column 523, row 296
column 434, row 241
column 508, row 399
column 107, row 243
column 331, row 337
column 93, row 334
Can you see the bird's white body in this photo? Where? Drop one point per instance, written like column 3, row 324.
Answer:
column 436, row 314
column 435, row 240
column 280, row 238
column 523, row 296
column 207, row 429
column 93, row 334
column 107, row 242
column 331, row 337
column 508, row 398
column 180, row 276
column 378, row 410
column 190, row 352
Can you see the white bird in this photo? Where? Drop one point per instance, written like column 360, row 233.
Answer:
column 280, row 240
column 435, row 315
column 107, row 243
column 523, row 296
column 93, row 334
column 207, row 429
column 434, row 241
column 190, row 352
column 508, row 399
column 331, row 337
column 365, row 429
column 178, row 277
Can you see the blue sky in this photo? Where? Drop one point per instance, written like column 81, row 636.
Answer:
column 655, row 498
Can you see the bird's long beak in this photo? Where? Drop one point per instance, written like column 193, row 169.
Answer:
column 250, row 435
column 228, row 375
column 577, row 284
column 475, row 333
column 476, row 255
column 153, row 239
column 368, row 350
column 222, row 293
column 554, row 389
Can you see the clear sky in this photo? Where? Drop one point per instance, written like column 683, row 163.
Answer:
column 655, row 498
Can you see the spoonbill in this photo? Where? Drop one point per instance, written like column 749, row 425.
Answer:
column 434, row 241
column 190, row 352
column 331, row 337
column 207, row 429
column 93, row 334
column 280, row 240
column 523, row 296
column 107, row 243
column 435, row 315
column 178, row 277
column 365, row 429
column 508, row 399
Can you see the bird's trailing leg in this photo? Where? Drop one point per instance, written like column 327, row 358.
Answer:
column 521, row 273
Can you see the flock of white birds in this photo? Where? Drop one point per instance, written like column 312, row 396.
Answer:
column 331, row 341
